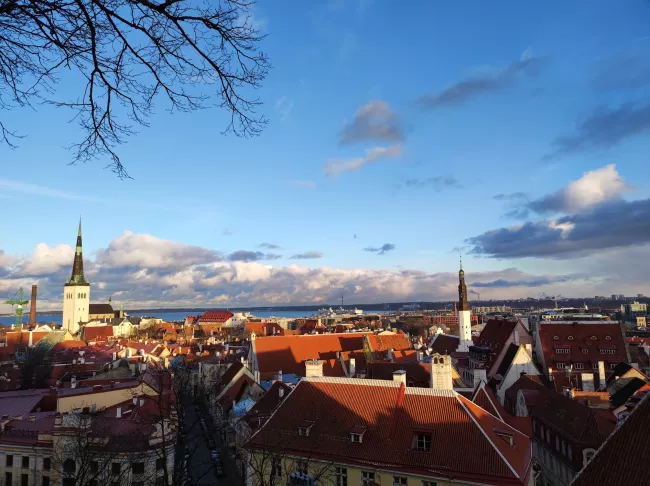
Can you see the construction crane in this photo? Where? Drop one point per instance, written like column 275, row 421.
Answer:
column 554, row 298
column 19, row 303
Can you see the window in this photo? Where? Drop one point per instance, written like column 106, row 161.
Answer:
column 570, row 338
column 608, row 338
column 304, row 430
column 578, row 366
column 69, row 466
column 47, row 463
column 138, row 468
column 422, row 442
column 585, row 351
column 341, row 476
column 116, row 467
column 555, row 338
column 160, row 463
column 276, row 470
column 8, row 478
column 603, row 351
column 367, row 477
column 428, row 483
column 594, row 366
column 25, row 462
column 611, row 351
column 355, row 438
column 400, row 481
column 69, row 482
column 46, row 481
column 593, row 338
column 10, row 460
column 24, row 480
column 561, row 366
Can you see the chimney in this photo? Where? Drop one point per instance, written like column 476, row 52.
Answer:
column 73, row 382
column 353, row 366
column 118, row 413
column 280, row 375
column 516, row 336
column 389, row 354
column 588, row 382
column 418, row 355
column 32, row 307
column 601, row 375
column 479, row 376
column 399, row 376
column 142, row 402
column 281, row 392
column 313, row 368
column 114, row 356
column 135, row 401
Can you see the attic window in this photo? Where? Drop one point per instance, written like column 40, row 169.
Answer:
column 593, row 338
column 555, row 338
column 608, row 338
column 356, row 434
column 422, row 442
column 505, row 435
column 570, row 338
column 304, row 429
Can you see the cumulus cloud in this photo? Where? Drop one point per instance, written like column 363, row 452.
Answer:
column 437, row 183
column 252, row 256
column 220, row 282
column 143, row 250
column 374, row 122
column 613, row 224
column 382, row 250
column 604, row 128
column 592, row 188
column 337, row 167
column 487, row 82
column 308, row 255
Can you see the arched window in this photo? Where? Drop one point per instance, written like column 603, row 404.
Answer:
column 442, row 360
column 69, row 466
column 593, row 338
column 555, row 338
column 435, row 360
column 570, row 338
column 608, row 338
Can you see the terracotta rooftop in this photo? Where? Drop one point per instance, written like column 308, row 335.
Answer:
column 394, row 416
column 261, row 411
column 215, row 317
column 289, row 353
column 622, row 460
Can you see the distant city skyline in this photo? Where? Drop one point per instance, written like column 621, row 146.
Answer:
column 514, row 134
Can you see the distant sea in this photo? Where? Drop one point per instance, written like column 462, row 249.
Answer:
column 179, row 316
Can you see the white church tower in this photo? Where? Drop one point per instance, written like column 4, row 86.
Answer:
column 464, row 315
column 76, row 293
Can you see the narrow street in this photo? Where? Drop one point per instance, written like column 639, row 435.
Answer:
column 202, row 470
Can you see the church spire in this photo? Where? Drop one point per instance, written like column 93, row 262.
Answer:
column 78, row 265
column 463, row 304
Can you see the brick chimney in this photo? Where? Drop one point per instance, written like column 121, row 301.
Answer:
column 32, row 306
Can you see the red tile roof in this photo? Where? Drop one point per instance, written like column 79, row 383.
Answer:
column 485, row 398
column 263, row 328
column 289, row 353
column 584, row 342
column 97, row 333
column 262, row 410
column 393, row 415
column 623, row 459
column 215, row 316
column 384, row 342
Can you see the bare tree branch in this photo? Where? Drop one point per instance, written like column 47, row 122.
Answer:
column 191, row 52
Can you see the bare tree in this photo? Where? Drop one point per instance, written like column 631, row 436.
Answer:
column 191, row 52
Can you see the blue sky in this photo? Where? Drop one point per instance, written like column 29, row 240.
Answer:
column 479, row 99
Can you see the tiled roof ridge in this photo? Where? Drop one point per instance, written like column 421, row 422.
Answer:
column 498, row 451
column 410, row 390
column 275, row 410
column 481, row 387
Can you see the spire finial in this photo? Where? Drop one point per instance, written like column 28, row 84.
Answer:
column 460, row 256
column 79, row 231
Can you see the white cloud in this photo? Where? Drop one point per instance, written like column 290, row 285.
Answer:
column 337, row 167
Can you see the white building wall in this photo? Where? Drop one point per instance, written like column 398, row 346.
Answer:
column 464, row 330
column 522, row 362
column 76, row 302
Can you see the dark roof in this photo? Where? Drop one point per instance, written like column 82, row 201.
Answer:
column 507, row 359
column 100, row 309
column 619, row 370
column 444, row 344
column 417, row 374
column 623, row 394
column 231, row 372
column 262, row 410
column 622, row 460
column 392, row 414
column 494, row 335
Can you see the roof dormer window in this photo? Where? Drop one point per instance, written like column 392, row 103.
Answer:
column 422, row 442
column 304, row 429
column 505, row 435
column 356, row 434
column 555, row 338
column 593, row 338
column 570, row 338
column 608, row 338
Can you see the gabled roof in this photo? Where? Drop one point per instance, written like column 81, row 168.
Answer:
column 511, row 352
column 384, row 342
column 494, row 336
column 289, row 353
column 100, row 309
column 444, row 344
column 485, row 398
column 215, row 316
column 393, row 415
column 625, row 392
column 622, row 460
column 94, row 333
column 262, row 410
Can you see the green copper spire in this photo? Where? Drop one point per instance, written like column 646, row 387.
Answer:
column 78, row 265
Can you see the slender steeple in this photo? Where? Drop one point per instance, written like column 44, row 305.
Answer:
column 463, row 304
column 78, row 265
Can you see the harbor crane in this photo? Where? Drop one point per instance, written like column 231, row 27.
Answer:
column 554, row 298
column 19, row 303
